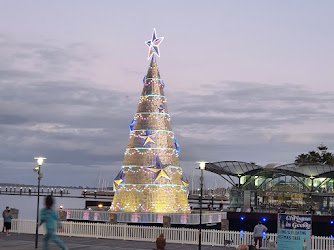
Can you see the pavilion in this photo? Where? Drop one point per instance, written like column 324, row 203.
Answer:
column 277, row 187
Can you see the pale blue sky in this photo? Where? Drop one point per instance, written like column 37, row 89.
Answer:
column 253, row 81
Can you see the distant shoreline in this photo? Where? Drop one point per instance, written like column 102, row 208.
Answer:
column 3, row 185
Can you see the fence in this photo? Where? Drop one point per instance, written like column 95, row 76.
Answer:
column 124, row 217
column 172, row 235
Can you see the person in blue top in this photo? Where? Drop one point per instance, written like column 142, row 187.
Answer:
column 7, row 219
column 50, row 219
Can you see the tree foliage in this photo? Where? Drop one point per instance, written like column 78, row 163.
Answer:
column 321, row 156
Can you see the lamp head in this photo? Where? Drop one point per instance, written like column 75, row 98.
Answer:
column 36, row 169
column 40, row 160
column 202, row 164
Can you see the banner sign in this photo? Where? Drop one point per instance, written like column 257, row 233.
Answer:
column 294, row 231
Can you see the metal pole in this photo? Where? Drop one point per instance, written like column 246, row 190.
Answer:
column 200, row 212
column 37, row 221
column 212, row 201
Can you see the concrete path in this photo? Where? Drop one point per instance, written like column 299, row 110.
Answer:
column 27, row 241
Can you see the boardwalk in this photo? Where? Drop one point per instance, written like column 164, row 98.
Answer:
column 27, row 242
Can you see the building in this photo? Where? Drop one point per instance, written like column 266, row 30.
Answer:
column 290, row 187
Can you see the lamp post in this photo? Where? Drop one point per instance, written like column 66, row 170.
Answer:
column 212, row 199
column 40, row 161
column 201, row 167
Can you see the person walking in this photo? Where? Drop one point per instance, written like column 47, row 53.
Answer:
column 52, row 223
column 161, row 242
column 258, row 233
column 7, row 219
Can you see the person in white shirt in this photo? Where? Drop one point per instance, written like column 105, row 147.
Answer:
column 258, row 233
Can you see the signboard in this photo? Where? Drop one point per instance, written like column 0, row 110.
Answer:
column 294, row 231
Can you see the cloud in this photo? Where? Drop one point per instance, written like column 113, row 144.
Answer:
column 251, row 122
column 47, row 107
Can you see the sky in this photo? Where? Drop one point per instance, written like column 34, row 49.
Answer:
column 245, row 81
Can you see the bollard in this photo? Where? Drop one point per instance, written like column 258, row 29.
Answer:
column 21, row 190
column 225, row 225
column 95, row 194
column 113, row 218
column 51, row 191
column 42, row 190
column 62, row 215
column 61, row 192
column 166, row 221
column 85, row 193
column 6, row 189
column 30, row 191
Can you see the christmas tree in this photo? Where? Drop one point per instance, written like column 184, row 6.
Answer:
column 151, row 177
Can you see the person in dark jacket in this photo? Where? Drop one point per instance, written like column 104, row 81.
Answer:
column 3, row 216
column 7, row 219
column 161, row 242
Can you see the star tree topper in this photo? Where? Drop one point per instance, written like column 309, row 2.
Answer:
column 160, row 169
column 154, row 45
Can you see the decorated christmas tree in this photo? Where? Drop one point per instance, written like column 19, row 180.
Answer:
column 151, row 177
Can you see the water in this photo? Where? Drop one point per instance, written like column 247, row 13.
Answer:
column 27, row 205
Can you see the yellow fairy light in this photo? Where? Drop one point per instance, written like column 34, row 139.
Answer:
column 142, row 187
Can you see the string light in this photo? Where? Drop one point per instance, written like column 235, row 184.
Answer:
column 149, row 81
column 144, row 151
column 142, row 168
column 164, row 134
column 144, row 116
column 150, row 99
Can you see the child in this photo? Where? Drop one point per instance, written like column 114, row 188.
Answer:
column 50, row 218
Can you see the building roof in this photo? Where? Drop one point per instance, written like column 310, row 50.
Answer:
column 313, row 171
column 237, row 168
column 233, row 168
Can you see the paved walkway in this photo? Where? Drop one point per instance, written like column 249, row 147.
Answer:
column 27, row 241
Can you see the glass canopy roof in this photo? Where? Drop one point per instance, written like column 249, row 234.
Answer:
column 233, row 168
column 237, row 168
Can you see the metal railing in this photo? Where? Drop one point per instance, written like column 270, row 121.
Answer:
column 143, row 233
column 124, row 217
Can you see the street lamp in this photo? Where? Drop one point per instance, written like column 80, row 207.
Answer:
column 212, row 199
column 201, row 167
column 40, row 161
